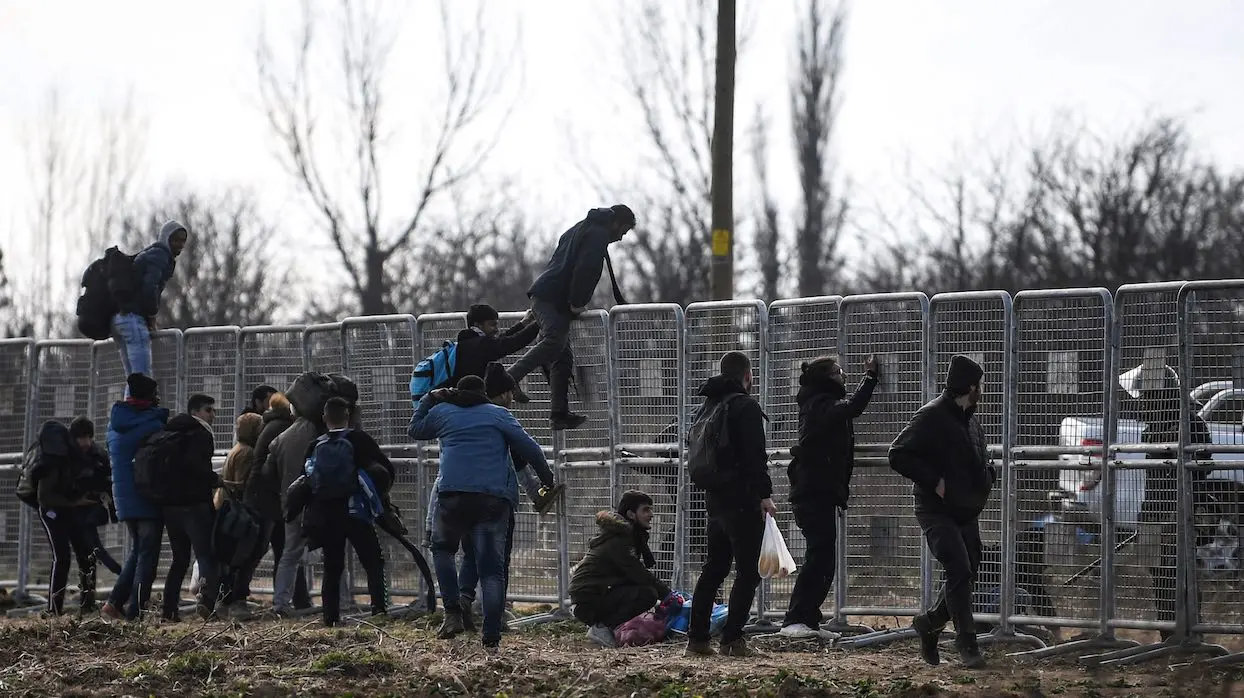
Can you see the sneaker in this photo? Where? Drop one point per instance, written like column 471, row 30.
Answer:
column 451, row 627
column 737, row 648
column 797, row 631
column 928, row 640
column 699, row 648
column 196, row 585
column 602, row 635
column 570, row 420
column 519, row 396
column 547, row 497
column 970, row 657
column 109, row 612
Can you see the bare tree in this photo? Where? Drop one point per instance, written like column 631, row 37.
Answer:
column 815, row 101
column 768, row 239
column 367, row 230
column 12, row 321
column 225, row 276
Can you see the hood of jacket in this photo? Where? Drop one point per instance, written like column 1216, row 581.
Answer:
column 603, row 216
column 467, row 398
column 126, row 417
column 248, row 429
column 279, row 411
column 721, row 387
column 168, row 231
column 184, row 422
column 611, row 525
column 813, row 386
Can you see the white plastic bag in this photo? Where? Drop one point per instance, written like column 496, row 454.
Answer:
column 775, row 557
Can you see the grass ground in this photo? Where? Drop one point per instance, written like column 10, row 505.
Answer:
column 67, row 657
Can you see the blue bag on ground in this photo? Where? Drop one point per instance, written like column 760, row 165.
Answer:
column 680, row 621
column 433, row 372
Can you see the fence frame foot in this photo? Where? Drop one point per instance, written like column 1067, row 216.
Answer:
column 1146, row 653
column 1072, row 646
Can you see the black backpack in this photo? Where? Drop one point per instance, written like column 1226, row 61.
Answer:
column 157, row 467
column 237, row 533
column 107, row 285
column 708, row 442
column 53, row 440
column 28, row 479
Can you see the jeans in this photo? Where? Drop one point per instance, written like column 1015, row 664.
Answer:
column 552, row 349
column 618, row 605
column 468, row 577
column 733, row 537
column 485, row 520
column 132, row 589
column 190, row 529
column 64, row 534
column 290, row 568
column 133, row 340
column 820, row 529
column 530, row 480
column 958, row 547
column 341, row 527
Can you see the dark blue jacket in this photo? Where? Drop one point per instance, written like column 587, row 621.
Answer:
column 128, row 425
column 153, row 267
column 571, row 276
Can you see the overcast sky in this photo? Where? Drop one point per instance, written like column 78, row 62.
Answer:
column 922, row 79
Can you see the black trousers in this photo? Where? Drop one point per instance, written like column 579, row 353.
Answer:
column 340, row 527
column 65, row 534
column 820, row 529
column 618, row 605
column 734, row 538
column 274, row 532
column 958, row 547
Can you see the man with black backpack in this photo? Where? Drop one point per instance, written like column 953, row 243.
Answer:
column 728, row 459
column 563, row 292
column 136, row 292
column 820, row 482
column 182, row 480
column 339, row 501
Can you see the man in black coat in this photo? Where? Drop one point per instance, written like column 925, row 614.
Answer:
column 942, row 451
column 736, row 512
column 561, row 293
column 483, row 342
column 820, row 478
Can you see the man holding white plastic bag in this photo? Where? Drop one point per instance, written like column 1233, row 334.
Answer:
column 820, row 479
column 729, row 460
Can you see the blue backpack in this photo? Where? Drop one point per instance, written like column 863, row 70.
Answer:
column 331, row 469
column 433, row 372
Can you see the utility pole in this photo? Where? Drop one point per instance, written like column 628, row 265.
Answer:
column 722, row 242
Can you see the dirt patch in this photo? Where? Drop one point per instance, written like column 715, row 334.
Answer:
column 403, row 658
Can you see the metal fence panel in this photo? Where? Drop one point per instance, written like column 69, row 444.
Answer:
column 1060, row 379
column 322, row 348
column 1212, row 488
column 17, row 357
column 977, row 324
column 379, row 357
column 883, row 543
column 108, row 377
column 1147, row 340
column 800, row 330
column 649, row 393
column 212, row 366
column 271, row 355
column 713, row 329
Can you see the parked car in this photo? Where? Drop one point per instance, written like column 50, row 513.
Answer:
column 1222, row 411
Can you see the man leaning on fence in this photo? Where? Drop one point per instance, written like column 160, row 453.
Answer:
column 942, row 451
column 136, row 313
column 820, row 479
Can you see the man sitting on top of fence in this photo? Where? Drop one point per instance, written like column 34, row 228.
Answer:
column 942, row 451
column 136, row 310
column 561, row 293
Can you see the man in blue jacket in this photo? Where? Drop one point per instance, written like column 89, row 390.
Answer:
column 563, row 292
column 135, row 319
column 477, row 495
column 131, row 421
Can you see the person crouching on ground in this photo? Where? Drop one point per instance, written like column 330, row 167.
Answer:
column 614, row 581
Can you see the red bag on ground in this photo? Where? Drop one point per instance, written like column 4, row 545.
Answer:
column 644, row 629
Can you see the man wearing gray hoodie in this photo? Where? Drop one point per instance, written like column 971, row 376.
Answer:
column 135, row 319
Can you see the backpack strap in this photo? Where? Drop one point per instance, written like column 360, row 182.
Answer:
column 613, row 280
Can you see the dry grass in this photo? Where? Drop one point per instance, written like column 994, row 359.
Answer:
column 402, row 658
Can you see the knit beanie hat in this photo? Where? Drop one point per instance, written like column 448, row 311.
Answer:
column 963, row 374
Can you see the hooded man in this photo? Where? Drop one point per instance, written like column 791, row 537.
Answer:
column 614, row 581
column 477, row 493
column 136, row 314
column 562, row 293
column 942, row 451
column 820, row 479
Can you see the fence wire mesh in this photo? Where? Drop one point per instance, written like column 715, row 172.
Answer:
column 271, row 355
column 978, row 325
column 17, row 361
column 1213, row 370
column 799, row 331
column 883, row 550
column 1062, row 349
column 648, row 389
column 379, row 357
column 322, row 348
column 213, row 367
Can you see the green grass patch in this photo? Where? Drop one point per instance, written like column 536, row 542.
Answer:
column 355, row 663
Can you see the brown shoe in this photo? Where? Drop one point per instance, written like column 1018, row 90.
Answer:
column 737, row 648
column 699, row 648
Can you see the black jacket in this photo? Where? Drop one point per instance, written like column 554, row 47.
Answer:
column 571, row 276
column 820, row 470
column 197, row 447
column 476, row 350
column 617, row 556
column 750, row 457
column 263, row 490
column 943, row 442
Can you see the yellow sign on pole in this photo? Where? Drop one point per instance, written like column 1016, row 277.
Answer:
column 721, row 242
